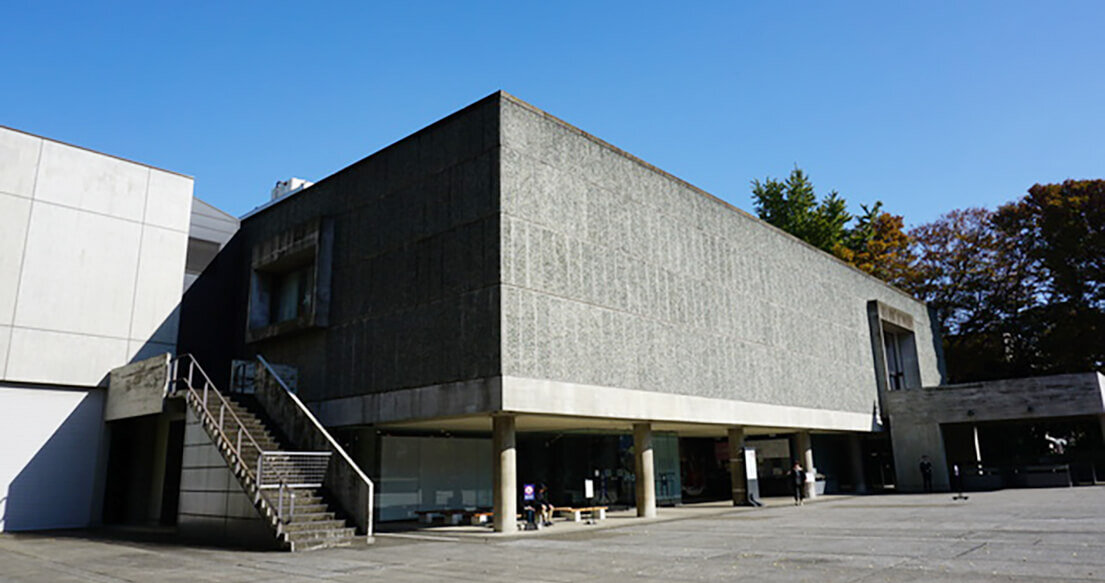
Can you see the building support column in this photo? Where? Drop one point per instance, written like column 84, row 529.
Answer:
column 157, row 482
column 805, row 450
column 505, row 468
column 646, row 480
column 738, row 477
column 859, row 479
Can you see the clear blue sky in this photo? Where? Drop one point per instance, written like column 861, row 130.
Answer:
column 928, row 107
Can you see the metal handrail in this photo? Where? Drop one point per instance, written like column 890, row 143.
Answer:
column 371, row 488
column 224, row 407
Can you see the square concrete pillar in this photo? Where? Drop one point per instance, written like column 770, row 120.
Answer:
column 736, row 466
column 859, row 479
column 646, row 480
column 805, row 450
column 505, row 469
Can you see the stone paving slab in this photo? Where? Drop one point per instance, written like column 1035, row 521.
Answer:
column 1012, row 535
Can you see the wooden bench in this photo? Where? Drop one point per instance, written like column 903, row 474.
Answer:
column 596, row 512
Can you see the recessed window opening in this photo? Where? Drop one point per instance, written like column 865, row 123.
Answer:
column 895, row 369
column 292, row 294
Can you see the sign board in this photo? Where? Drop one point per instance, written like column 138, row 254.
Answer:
column 527, row 492
column 588, row 489
column 750, row 463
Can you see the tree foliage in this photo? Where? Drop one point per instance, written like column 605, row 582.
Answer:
column 1018, row 291
column 792, row 206
column 875, row 243
column 879, row 245
column 1021, row 290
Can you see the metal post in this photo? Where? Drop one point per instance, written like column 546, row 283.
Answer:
column 280, row 504
column 239, row 450
column 292, row 511
column 222, row 407
column 260, row 466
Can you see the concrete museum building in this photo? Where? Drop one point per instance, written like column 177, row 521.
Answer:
column 498, row 299
column 501, row 298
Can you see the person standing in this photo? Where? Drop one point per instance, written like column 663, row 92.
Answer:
column 798, row 482
column 926, row 473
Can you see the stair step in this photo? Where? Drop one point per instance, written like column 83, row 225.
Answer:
column 306, row 509
column 314, row 526
column 313, row 517
column 317, row 539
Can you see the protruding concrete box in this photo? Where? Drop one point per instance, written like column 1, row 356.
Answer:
column 138, row 389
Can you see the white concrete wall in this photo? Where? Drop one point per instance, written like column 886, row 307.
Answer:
column 51, row 454
column 92, row 252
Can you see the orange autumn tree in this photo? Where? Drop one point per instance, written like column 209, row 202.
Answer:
column 879, row 245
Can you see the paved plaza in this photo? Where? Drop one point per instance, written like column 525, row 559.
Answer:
column 1012, row 535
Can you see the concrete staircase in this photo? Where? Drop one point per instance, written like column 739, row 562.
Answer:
column 308, row 524
column 297, row 514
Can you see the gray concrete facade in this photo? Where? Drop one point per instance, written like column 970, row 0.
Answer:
column 618, row 274
column 515, row 262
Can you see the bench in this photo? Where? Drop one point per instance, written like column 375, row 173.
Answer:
column 596, row 512
column 453, row 516
column 478, row 518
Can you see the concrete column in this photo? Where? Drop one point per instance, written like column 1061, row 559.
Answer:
column 646, row 480
column 505, row 469
column 859, row 480
column 736, row 466
column 157, row 481
column 805, row 450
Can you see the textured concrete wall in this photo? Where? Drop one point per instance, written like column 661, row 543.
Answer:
column 138, row 388
column 617, row 274
column 414, row 298
column 92, row 252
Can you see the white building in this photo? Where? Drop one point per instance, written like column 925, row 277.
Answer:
column 93, row 255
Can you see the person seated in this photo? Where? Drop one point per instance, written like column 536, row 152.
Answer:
column 544, row 507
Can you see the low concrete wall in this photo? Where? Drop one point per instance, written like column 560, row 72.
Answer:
column 343, row 481
column 917, row 414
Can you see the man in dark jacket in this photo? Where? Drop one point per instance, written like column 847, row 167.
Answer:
column 798, row 482
column 926, row 473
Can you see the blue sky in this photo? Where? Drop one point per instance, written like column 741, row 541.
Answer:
column 927, row 107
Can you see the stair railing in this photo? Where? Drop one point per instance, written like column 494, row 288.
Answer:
column 345, row 464
column 284, row 470
column 203, row 401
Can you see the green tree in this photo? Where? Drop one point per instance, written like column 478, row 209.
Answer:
column 877, row 243
column 792, row 206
